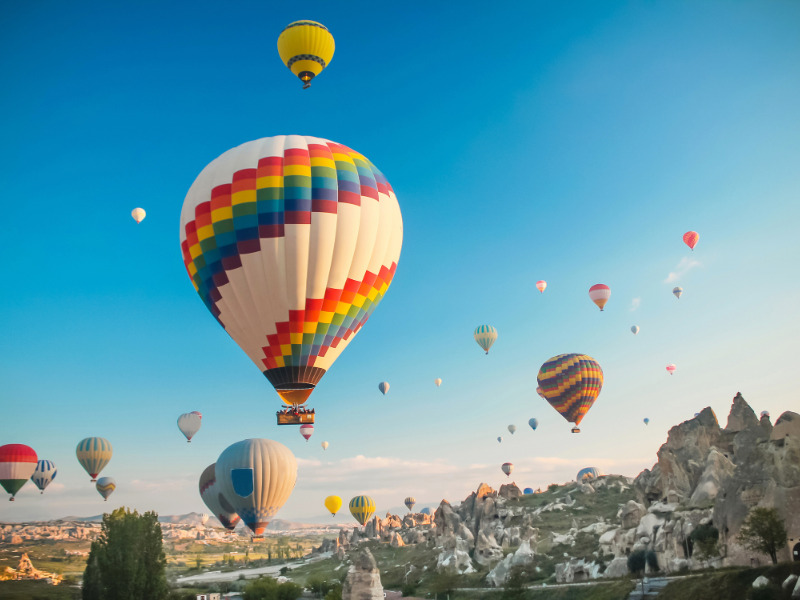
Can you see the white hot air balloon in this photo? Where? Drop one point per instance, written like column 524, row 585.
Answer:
column 257, row 477
column 138, row 215
column 189, row 424
column 438, row 381
column 383, row 386
column 44, row 474
column 512, row 429
column 203, row 519
column 325, row 445
column 215, row 501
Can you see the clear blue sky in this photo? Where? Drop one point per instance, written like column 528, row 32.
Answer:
column 571, row 142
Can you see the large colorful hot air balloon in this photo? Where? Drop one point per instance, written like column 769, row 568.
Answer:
column 325, row 445
column 44, row 474
column 291, row 242
column 306, row 430
column 534, row 423
column 410, row 502
column 383, row 387
column 587, row 474
column 671, row 368
column 138, row 215
column 17, row 463
column 512, row 429
column 539, row 391
column 677, row 291
column 485, row 335
column 571, row 384
column 600, row 294
column 362, row 508
column 93, row 454
column 333, row 504
column 541, row 285
column 306, row 48
column 690, row 238
column 105, row 486
column 215, row 501
column 189, row 424
column 257, row 477
column 507, row 468
column 438, row 381
column 634, row 329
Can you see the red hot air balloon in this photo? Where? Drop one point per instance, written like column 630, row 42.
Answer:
column 306, row 430
column 690, row 238
column 541, row 285
column 600, row 294
column 671, row 369
column 507, row 468
column 17, row 464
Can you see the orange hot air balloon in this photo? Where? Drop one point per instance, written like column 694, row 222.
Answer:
column 690, row 238
column 600, row 294
column 541, row 285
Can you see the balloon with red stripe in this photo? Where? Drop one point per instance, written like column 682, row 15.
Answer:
column 17, row 464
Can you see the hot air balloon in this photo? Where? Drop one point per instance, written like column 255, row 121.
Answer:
column 362, row 508
column 138, row 215
column 507, row 468
column 291, row 242
column 17, row 464
column 198, row 413
column 333, row 504
column 527, row 491
column 257, row 477
column 690, row 238
column 677, row 291
column 212, row 497
column 105, row 486
column 306, row 430
column 325, row 445
column 600, row 294
column 426, row 511
column 189, row 424
column 438, row 381
column 646, row 421
column 534, row 423
column 587, row 474
column 485, row 335
column 499, row 439
column 93, row 454
column 764, row 413
column 204, row 519
column 383, row 386
column 512, row 429
column 671, row 369
column 571, row 384
column 410, row 502
column 541, row 285
column 540, row 392
column 45, row 473
column 634, row 329
column 306, row 48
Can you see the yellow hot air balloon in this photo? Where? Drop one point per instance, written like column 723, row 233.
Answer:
column 333, row 504
column 306, row 47
column 93, row 454
column 362, row 508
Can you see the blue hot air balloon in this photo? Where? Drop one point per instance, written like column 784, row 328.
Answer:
column 534, row 423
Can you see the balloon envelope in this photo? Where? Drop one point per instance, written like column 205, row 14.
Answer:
column 541, row 285
column 306, row 430
column 189, row 424
column 362, row 508
column 138, row 214
column 106, row 486
column 534, row 423
column 527, row 491
column 291, row 242
column 204, row 519
column 306, row 48
column 571, row 384
column 17, row 464
column 587, row 474
column 333, row 504
column 215, row 501
column 383, row 386
column 410, row 502
column 507, row 468
column 437, row 381
column 646, row 421
column 671, row 369
column 44, row 474
column 635, row 329
column 499, row 439
column 485, row 335
column 599, row 294
column 677, row 291
column 426, row 511
column 325, row 445
column 690, row 238
column 93, row 454
column 257, row 477
column 512, row 429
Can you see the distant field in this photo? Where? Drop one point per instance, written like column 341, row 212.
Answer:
column 729, row 584
column 27, row 590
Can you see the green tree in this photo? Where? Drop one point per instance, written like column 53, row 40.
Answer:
column 335, row 593
column 764, row 531
column 127, row 560
column 266, row 588
column 514, row 588
column 444, row 583
column 705, row 538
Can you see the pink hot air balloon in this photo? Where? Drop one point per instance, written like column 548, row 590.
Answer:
column 541, row 285
column 600, row 294
column 507, row 468
column 671, row 369
column 690, row 238
column 306, row 430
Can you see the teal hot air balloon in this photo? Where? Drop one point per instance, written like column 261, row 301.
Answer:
column 534, row 423
column 485, row 335
column 527, row 491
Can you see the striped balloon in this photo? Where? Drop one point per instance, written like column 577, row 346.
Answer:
column 507, row 468
column 383, row 386
column 571, row 384
column 45, row 473
column 671, row 368
column 291, row 243
column 677, row 291
column 587, row 474
column 410, row 502
column 189, row 424
column 599, row 294
column 215, row 501
column 362, row 508
column 485, row 335
column 105, row 486
column 690, row 238
column 17, row 463
column 94, row 454
column 306, row 430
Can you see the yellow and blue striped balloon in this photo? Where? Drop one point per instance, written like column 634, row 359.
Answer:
column 362, row 508
column 93, row 454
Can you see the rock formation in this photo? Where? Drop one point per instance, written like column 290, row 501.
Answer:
column 363, row 581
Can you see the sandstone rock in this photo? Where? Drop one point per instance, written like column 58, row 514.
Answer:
column 509, row 490
column 616, row 568
column 586, row 488
column 741, row 416
column 631, row 514
column 796, row 591
column 487, row 550
column 760, row 582
column 446, row 520
column 789, row 582
column 455, row 559
column 397, row 541
column 576, row 570
column 788, row 424
column 363, row 581
column 718, row 468
column 499, row 574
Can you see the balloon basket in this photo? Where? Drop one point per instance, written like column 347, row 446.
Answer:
column 575, row 430
column 292, row 416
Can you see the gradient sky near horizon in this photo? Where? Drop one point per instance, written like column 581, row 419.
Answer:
column 572, row 142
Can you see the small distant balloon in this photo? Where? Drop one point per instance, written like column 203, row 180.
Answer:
column 499, row 438
column 671, row 369
column 438, row 381
column 426, row 511
column 306, row 430
column 512, row 429
column 138, row 214
column 383, row 386
column 204, row 518
column 106, row 486
column 306, row 48
column 690, row 238
column 600, row 294
column 45, row 473
column 527, row 491
column 324, row 445
column 587, row 474
column 646, row 421
column 410, row 502
column 189, row 424
column 333, row 504
column 485, row 335
column 507, row 468
column 541, row 285
column 93, row 454
column 677, row 291
column 634, row 329
column 764, row 413
column 534, row 423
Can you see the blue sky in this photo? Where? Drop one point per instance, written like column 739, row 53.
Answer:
column 571, row 142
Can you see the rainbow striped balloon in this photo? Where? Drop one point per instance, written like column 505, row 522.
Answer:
column 362, row 508
column 571, row 384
